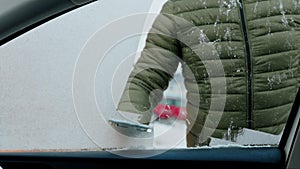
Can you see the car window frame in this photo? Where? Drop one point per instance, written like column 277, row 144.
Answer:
column 18, row 26
column 236, row 157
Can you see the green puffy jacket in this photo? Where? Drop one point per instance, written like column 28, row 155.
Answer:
column 240, row 60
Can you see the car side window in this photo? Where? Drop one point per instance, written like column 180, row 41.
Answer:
column 151, row 75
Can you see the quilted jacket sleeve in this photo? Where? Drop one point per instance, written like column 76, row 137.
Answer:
column 154, row 68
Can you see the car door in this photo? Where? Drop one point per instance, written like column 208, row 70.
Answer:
column 55, row 82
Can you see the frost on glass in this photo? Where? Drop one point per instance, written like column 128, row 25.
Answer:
column 53, row 89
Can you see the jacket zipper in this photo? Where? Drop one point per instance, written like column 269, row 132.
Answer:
column 249, row 67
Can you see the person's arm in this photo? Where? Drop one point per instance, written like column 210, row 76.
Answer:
column 154, row 69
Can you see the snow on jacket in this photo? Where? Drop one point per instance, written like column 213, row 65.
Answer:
column 240, row 60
